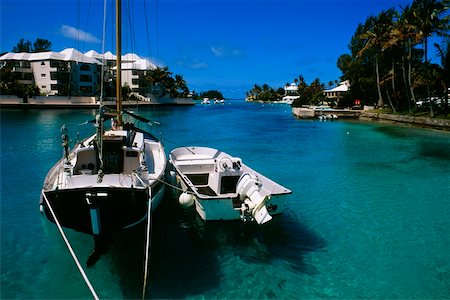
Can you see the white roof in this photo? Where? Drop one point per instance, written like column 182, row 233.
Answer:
column 15, row 56
column 69, row 54
column 130, row 57
column 343, row 87
column 130, row 61
column 141, row 64
column 72, row 54
column 292, row 87
column 93, row 54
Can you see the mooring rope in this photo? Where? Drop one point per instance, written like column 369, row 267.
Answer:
column 172, row 186
column 147, row 245
column 80, row 268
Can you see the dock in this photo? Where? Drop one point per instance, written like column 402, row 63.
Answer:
column 84, row 102
column 310, row 113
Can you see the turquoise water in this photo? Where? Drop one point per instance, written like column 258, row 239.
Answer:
column 369, row 216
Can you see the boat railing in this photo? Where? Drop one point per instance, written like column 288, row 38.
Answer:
column 53, row 173
column 139, row 179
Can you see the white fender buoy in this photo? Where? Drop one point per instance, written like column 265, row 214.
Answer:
column 186, row 200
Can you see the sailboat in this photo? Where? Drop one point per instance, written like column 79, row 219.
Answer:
column 111, row 180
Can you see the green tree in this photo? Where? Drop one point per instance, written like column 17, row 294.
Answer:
column 429, row 20
column 181, row 86
column 444, row 72
column 22, row 46
column 39, row 45
column 375, row 36
column 42, row 45
column 211, row 94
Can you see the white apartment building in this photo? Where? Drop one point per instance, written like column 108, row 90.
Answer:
column 71, row 72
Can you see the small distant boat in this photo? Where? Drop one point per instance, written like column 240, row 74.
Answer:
column 222, row 187
column 324, row 117
column 205, row 101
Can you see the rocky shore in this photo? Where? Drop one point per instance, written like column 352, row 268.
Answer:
column 435, row 123
column 364, row 115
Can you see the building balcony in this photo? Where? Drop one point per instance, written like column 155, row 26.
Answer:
column 21, row 70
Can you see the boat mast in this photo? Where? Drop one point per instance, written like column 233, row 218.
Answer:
column 119, row 60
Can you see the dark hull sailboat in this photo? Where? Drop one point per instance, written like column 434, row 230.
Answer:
column 113, row 179
column 100, row 189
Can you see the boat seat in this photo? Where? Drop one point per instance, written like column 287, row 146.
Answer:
column 206, row 190
column 198, row 179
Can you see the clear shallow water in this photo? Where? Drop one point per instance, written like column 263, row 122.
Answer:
column 369, row 216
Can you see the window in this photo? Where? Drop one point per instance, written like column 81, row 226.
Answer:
column 85, row 67
column 43, row 86
column 135, row 81
column 27, row 76
column 42, row 63
column 53, row 76
column 54, row 63
column 25, row 64
column 85, row 78
column 43, row 75
column 54, row 87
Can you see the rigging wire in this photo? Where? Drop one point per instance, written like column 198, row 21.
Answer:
column 77, row 262
column 157, row 29
column 87, row 25
column 102, row 74
column 147, row 29
column 147, row 245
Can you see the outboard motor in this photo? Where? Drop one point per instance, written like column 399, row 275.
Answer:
column 253, row 199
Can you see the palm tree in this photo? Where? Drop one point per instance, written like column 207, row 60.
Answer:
column 376, row 35
column 160, row 78
column 405, row 33
column 428, row 19
column 180, row 85
column 444, row 71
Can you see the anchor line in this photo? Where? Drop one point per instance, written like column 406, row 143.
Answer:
column 77, row 262
column 172, row 186
column 147, row 246
column 179, row 145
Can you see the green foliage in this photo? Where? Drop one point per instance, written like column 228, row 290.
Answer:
column 388, row 61
column 211, row 94
column 160, row 82
column 39, row 45
column 264, row 93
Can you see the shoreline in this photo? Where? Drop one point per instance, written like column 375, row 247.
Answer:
column 362, row 115
column 421, row 122
column 56, row 102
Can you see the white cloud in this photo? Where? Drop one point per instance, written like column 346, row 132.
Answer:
column 192, row 63
column 221, row 51
column 78, row 34
column 217, row 51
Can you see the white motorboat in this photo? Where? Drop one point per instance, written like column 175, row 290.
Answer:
column 205, row 101
column 222, row 187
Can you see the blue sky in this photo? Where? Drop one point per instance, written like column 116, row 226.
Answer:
column 228, row 45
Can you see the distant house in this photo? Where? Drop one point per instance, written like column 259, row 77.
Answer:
column 335, row 94
column 71, row 72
